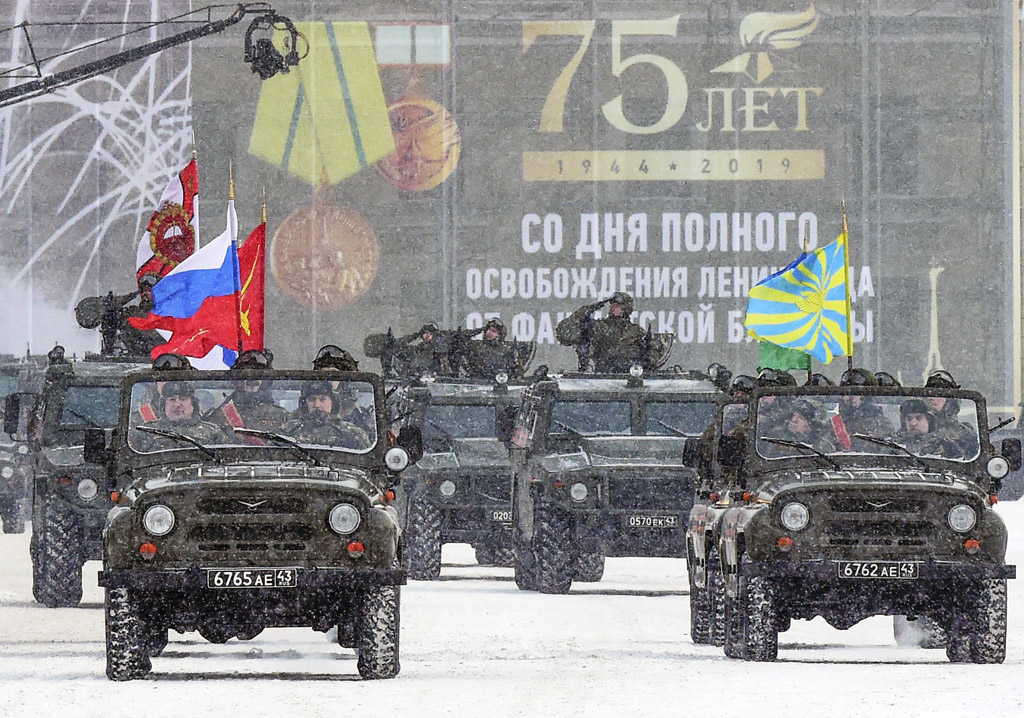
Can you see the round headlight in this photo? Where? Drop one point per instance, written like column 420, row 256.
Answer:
column 344, row 519
column 998, row 467
column 447, row 488
column 22, row 449
column 396, row 458
column 158, row 520
column 962, row 518
column 636, row 371
column 87, row 490
column 501, row 378
column 578, row 491
column 794, row 516
column 7, row 472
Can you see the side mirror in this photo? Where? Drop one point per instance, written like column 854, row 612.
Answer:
column 12, row 413
column 1011, row 451
column 730, row 451
column 410, row 438
column 691, row 451
column 95, row 450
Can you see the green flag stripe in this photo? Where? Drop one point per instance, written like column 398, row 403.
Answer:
column 350, row 110
column 300, row 97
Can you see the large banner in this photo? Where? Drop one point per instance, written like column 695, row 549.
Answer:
column 432, row 163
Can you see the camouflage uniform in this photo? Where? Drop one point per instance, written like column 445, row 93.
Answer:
column 488, row 356
column 322, row 429
column 613, row 344
column 868, row 418
column 205, row 432
column 947, row 426
column 252, row 410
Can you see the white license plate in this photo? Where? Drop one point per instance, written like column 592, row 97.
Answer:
column 879, row 569
column 502, row 515
column 252, row 577
column 647, row 521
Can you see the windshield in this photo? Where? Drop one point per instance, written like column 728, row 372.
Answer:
column 338, row 415
column 591, row 418
column 447, row 421
column 676, row 418
column 90, row 406
column 8, row 385
column 865, row 424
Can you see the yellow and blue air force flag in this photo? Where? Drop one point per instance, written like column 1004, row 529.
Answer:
column 804, row 306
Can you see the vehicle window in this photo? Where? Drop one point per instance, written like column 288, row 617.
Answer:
column 671, row 417
column 591, row 417
column 445, row 422
column 8, row 385
column 85, row 406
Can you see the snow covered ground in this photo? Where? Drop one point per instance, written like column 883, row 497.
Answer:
column 472, row 645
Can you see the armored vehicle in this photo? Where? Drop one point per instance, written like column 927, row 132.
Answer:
column 461, row 490
column 862, row 502
column 599, row 470
column 70, row 497
column 19, row 377
column 239, row 520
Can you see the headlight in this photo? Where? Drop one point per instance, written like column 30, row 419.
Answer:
column 998, row 467
column 158, row 520
column 22, row 449
column 396, row 458
column 636, row 371
column 501, row 378
column 7, row 472
column 344, row 519
column 962, row 518
column 794, row 516
column 87, row 490
column 578, row 491
column 447, row 488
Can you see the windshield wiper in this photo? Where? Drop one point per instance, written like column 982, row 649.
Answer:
column 674, row 430
column 575, row 432
column 179, row 437
column 92, row 422
column 1001, row 424
column 892, row 445
column 802, row 445
column 302, row 450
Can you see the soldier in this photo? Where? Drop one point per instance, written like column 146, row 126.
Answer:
column 250, row 406
column 804, row 424
column 612, row 344
column 179, row 410
column 315, row 420
column 334, row 357
column 859, row 413
column 111, row 313
column 421, row 353
column 917, row 431
column 771, row 416
column 491, row 355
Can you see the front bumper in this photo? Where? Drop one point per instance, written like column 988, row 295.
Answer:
column 194, row 579
column 827, row 570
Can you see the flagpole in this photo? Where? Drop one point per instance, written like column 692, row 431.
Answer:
column 846, row 283
column 263, row 269
column 238, row 279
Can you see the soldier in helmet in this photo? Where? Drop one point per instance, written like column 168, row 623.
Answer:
column 917, row 431
column 946, row 411
column 334, row 357
column 490, row 355
column 422, row 352
column 611, row 344
column 111, row 313
column 771, row 416
column 315, row 421
column 179, row 414
column 859, row 413
column 805, row 424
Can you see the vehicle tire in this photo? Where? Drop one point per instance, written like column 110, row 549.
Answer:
column 377, row 633
column 716, row 598
column 216, row 632
column 57, row 578
column 958, row 647
column 922, row 632
column 732, row 642
column 489, row 555
column 552, row 538
column 126, row 650
column 524, row 566
column 700, row 606
column 588, row 566
column 13, row 518
column 759, row 621
column 156, row 641
column 989, row 644
column 422, row 544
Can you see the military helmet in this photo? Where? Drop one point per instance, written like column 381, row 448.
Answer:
column 253, row 359
column 429, row 328
column 941, row 379
column 775, row 377
column 805, row 409
column 886, row 379
column 178, row 388
column 171, row 361
column 819, row 380
column 497, row 324
column 331, row 356
column 858, row 377
column 149, row 280
column 743, row 385
column 916, row 406
column 316, row 387
column 624, row 300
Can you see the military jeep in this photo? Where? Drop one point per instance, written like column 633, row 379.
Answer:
column 599, row 470
column 226, row 529
column 862, row 502
column 22, row 378
column 461, row 490
column 70, row 496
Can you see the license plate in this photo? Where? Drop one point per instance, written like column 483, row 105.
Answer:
column 647, row 521
column 502, row 515
column 252, row 577
column 879, row 569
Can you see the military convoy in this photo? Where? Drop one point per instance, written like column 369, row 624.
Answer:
column 17, row 377
column 227, row 530
column 846, row 518
column 599, row 468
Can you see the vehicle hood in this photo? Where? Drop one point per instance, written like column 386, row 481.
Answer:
column 610, row 453
column 466, row 454
column 899, row 480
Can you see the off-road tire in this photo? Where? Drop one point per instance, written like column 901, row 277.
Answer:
column 13, row 517
column 377, row 621
column 489, row 555
column 126, row 645
column 588, row 566
column 920, row 633
column 525, row 568
column 732, row 642
column 716, row 597
column 989, row 644
column 700, row 608
column 958, row 646
column 759, row 631
column 422, row 540
column 156, row 641
column 552, row 541
column 57, row 575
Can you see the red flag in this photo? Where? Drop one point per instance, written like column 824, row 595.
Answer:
column 170, row 236
column 216, row 322
column 252, row 270
column 842, row 435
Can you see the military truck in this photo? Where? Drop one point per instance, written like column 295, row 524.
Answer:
column 599, row 470
column 226, row 529
column 17, row 376
column 461, row 490
column 886, row 514
column 70, row 497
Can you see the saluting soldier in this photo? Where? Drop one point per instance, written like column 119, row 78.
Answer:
column 611, row 344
